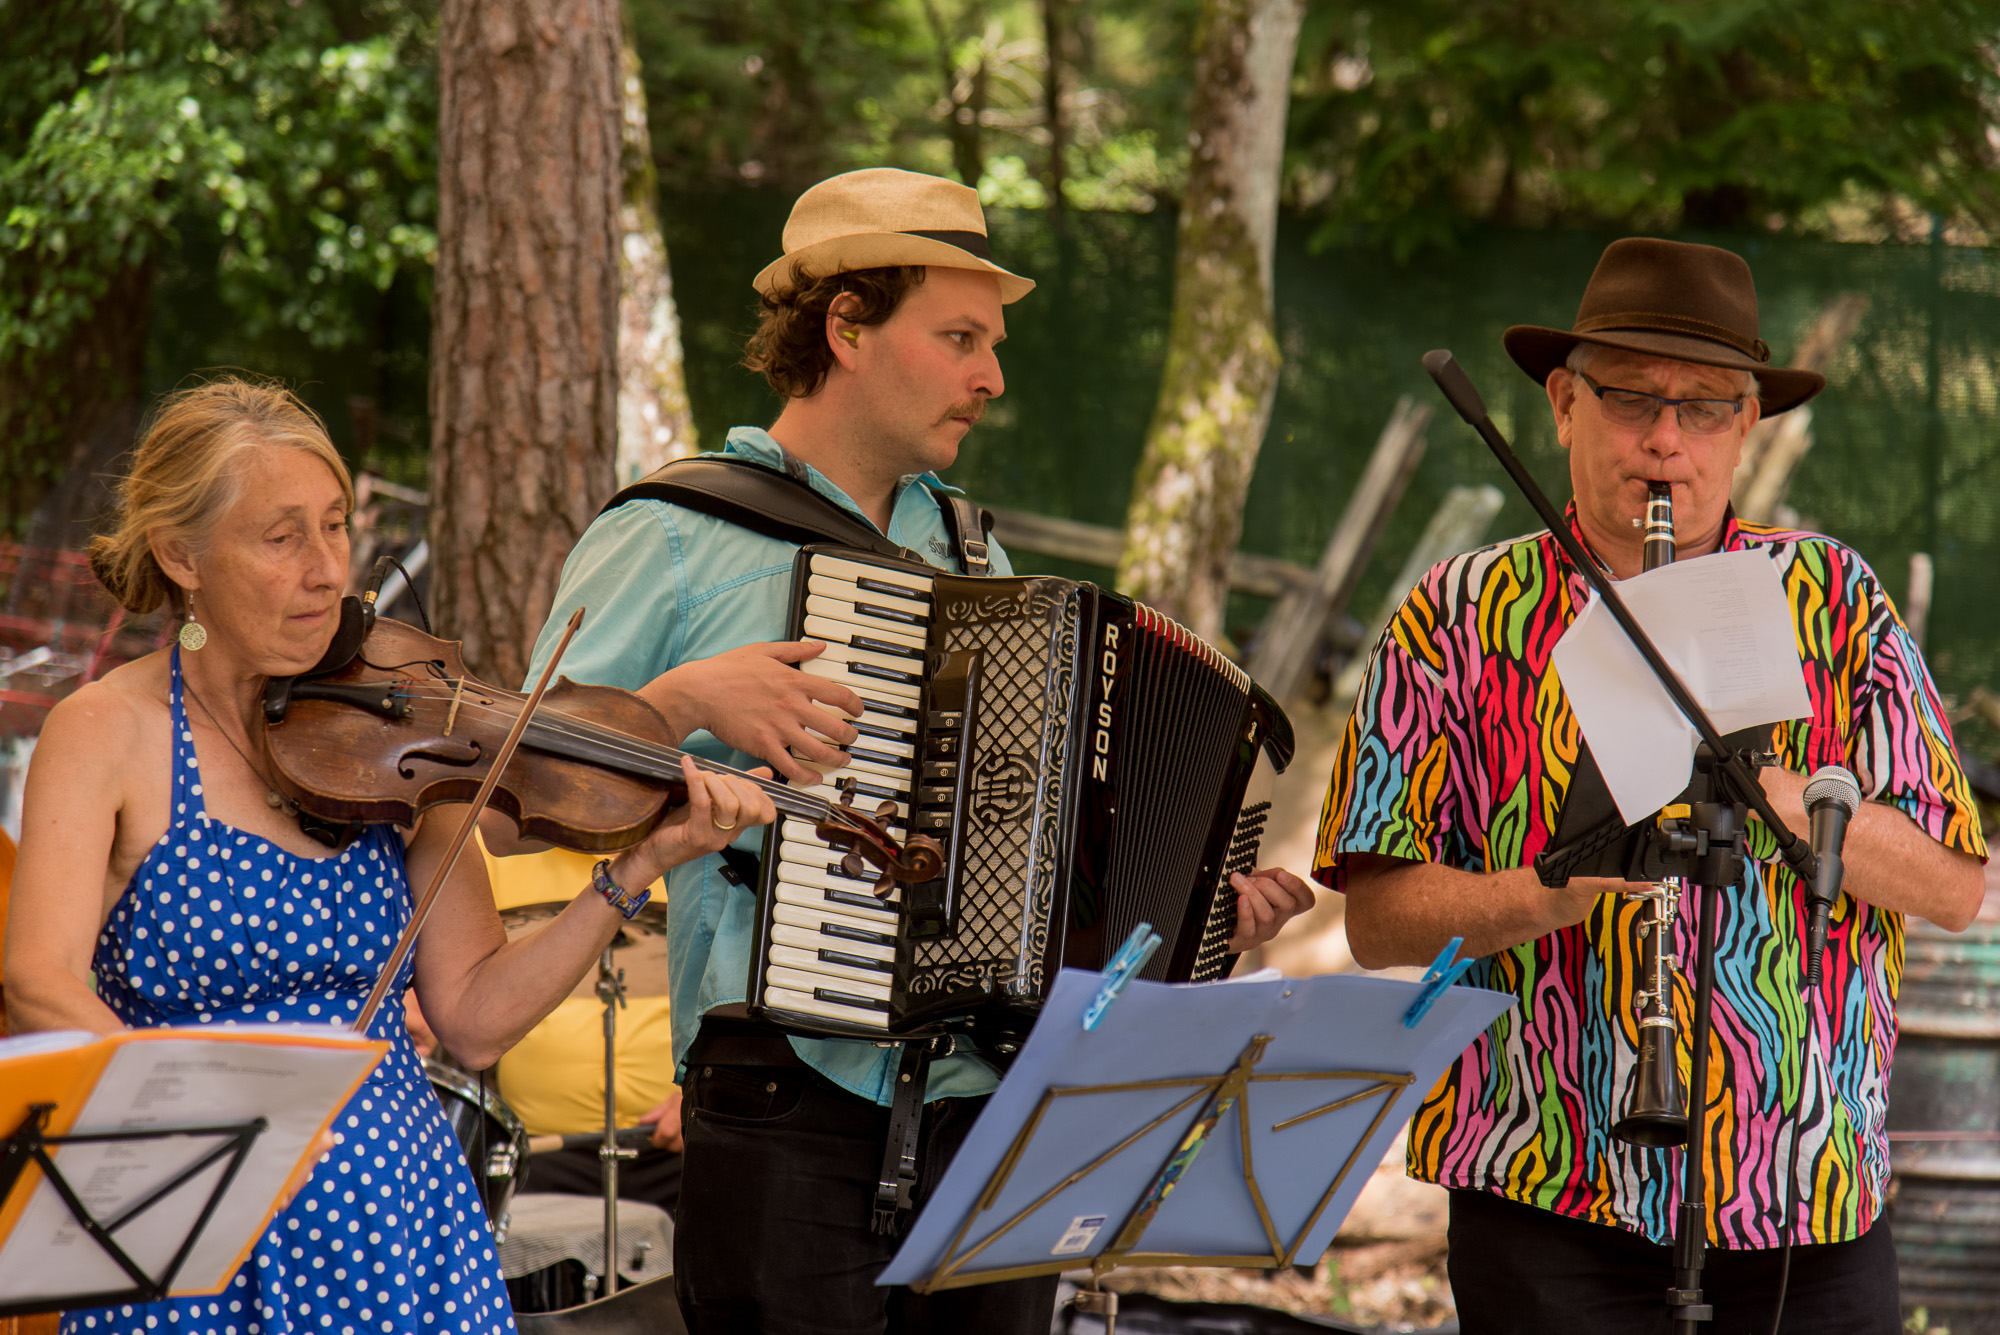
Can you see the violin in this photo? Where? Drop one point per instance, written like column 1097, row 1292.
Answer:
column 389, row 724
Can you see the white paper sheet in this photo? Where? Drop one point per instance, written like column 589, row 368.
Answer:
column 200, row 1080
column 1723, row 625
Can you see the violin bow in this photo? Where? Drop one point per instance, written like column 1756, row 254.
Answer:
column 409, row 938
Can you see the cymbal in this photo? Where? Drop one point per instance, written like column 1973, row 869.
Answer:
column 648, row 921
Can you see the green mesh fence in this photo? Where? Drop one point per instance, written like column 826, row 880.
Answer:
column 1906, row 455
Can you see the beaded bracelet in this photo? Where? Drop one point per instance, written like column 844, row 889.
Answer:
column 614, row 893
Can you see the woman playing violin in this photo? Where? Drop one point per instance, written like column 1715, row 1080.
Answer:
column 157, row 855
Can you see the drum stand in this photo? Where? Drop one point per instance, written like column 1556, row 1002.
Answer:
column 611, row 991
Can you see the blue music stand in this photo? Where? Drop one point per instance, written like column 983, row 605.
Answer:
column 1212, row 1124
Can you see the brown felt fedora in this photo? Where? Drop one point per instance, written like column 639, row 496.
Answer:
column 880, row 216
column 1669, row 299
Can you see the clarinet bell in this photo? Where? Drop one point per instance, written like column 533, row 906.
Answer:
column 1656, row 1107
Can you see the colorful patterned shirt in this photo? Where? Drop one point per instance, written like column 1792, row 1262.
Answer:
column 1460, row 751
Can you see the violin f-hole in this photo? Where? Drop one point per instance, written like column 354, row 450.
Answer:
column 442, row 751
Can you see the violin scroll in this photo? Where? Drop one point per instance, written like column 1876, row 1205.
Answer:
column 919, row 858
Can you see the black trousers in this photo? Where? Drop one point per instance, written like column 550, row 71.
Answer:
column 776, row 1193
column 1515, row 1268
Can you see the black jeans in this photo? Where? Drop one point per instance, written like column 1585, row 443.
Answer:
column 1515, row 1268
column 776, row 1194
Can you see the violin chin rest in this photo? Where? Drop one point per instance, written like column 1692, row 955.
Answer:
column 346, row 644
column 346, row 640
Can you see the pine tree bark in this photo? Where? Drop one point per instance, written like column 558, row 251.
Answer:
column 1186, row 512
column 524, row 324
column 655, row 421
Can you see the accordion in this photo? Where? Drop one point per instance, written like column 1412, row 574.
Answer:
column 1085, row 763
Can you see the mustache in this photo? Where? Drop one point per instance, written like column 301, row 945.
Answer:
column 972, row 410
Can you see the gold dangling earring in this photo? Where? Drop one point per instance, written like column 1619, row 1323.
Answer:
column 193, row 633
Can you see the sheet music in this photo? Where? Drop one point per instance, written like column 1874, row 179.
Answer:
column 162, row 1082
column 1723, row 625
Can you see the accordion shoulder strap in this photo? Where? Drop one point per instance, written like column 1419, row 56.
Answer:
column 760, row 499
column 969, row 526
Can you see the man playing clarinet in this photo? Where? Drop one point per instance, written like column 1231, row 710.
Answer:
column 878, row 330
column 1451, row 778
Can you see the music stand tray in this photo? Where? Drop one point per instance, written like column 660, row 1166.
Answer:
column 1225, row 1124
column 29, row 1145
column 145, row 1164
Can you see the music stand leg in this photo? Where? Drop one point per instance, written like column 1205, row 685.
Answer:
column 1718, row 862
column 1098, row 1301
column 611, row 990
column 1684, row 1300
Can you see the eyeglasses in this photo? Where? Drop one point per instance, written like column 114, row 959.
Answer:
column 1635, row 407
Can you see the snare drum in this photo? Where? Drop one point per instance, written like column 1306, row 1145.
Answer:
column 485, row 1125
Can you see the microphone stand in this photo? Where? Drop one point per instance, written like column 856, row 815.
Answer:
column 1706, row 847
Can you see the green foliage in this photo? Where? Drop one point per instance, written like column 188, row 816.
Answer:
column 294, row 138
column 1413, row 121
column 303, row 133
column 782, row 93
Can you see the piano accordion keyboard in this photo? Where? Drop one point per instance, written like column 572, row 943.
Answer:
column 832, row 947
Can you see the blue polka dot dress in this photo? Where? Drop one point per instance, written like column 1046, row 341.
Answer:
column 219, row 926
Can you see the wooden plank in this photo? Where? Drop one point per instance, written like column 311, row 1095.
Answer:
column 1769, row 474
column 1098, row 545
column 1291, row 636
column 1459, row 525
column 1783, row 449
column 1917, row 602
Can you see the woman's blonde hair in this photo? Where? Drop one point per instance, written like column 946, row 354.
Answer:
column 187, row 472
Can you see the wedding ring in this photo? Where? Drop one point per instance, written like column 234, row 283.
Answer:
column 720, row 826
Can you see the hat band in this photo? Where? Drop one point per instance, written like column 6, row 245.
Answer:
column 973, row 243
column 1662, row 323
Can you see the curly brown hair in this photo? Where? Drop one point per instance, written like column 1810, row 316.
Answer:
column 789, row 348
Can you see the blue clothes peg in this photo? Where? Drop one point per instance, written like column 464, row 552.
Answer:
column 1124, row 967
column 1442, row 974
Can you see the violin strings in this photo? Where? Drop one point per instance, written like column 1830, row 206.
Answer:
column 620, row 744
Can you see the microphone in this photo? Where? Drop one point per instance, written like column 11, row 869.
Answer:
column 383, row 565
column 1832, row 796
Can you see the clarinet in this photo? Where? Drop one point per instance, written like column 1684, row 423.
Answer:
column 1656, row 1103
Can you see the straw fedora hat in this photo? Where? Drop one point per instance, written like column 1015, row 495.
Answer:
column 1669, row 299
column 878, row 217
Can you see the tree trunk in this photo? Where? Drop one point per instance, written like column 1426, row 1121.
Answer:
column 964, row 95
column 524, row 325
column 655, row 423
column 1222, row 351
column 67, row 415
column 1055, row 42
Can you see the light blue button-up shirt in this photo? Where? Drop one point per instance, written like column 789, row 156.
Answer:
column 666, row 585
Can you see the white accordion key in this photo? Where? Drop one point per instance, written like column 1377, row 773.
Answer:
column 805, row 1003
column 862, row 683
column 801, row 981
column 902, row 640
column 914, row 583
